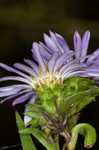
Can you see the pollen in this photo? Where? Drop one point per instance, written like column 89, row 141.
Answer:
column 48, row 79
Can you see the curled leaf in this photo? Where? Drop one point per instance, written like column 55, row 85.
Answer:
column 87, row 131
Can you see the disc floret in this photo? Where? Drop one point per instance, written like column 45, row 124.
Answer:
column 48, row 79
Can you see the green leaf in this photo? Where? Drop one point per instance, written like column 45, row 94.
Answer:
column 57, row 141
column 79, row 100
column 87, row 131
column 40, row 136
column 26, row 140
column 35, row 107
column 72, row 121
column 64, row 146
column 33, row 114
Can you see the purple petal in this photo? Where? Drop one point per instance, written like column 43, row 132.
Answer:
column 50, row 51
column 15, row 78
column 33, row 65
column 92, row 71
column 94, row 56
column 71, row 74
column 44, row 53
column 92, row 68
column 63, row 58
column 51, row 62
column 39, row 58
column 62, row 42
column 22, row 98
column 50, row 43
column 10, row 69
column 14, row 95
column 58, row 46
column 25, row 68
column 77, row 44
column 10, row 92
column 16, row 86
column 74, row 67
column 73, row 61
column 85, row 43
column 93, row 74
column 32, row 100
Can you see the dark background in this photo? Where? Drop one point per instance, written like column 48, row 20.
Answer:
column 25, row 21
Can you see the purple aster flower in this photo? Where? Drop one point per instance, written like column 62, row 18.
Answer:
column 56, row 43
column 56, row 63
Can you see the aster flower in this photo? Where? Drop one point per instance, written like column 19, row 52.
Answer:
column 56, row 43
column 56, row 63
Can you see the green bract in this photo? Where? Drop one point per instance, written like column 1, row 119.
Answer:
column 73, row 92
column 57, row 107
column 63, row 99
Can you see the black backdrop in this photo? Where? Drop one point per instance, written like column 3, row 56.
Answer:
column 24, row 21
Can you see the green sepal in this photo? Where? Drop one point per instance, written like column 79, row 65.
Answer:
column 75, row 91
column 35, row 112
column 26, row 140
column 71, row 97
column 35, row 107
column 75, row 84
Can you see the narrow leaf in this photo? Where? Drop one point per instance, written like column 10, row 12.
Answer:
column 26, row 140
column 80, row 99
column 40, row 136
column 87, row 131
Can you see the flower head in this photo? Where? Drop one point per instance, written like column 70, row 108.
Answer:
column 32, row 76
column 56, row 43
column 56, row 63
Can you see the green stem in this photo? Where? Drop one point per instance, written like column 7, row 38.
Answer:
column 57, row 142
column 64, row 146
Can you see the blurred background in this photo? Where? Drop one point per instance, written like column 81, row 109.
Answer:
column 25, row 21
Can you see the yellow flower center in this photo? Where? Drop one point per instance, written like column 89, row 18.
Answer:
column 48, row 79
